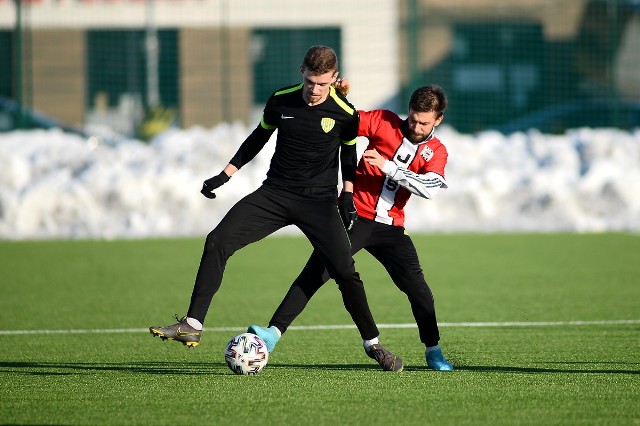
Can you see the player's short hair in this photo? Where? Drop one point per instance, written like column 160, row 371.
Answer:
column 320, row 60
column 429, row 98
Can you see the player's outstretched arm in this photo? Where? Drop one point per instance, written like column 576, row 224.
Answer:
column 247, row 151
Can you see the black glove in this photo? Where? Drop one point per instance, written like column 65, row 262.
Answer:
column 212, row 183
column 348, row 212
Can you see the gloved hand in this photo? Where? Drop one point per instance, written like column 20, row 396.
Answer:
column 348, row 212
column 212, row 183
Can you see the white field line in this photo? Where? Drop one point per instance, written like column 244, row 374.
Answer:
column 341, row 327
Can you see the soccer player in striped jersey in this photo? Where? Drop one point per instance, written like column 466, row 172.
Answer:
column 403, row 157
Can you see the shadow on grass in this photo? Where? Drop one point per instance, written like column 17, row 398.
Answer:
column 209, row 368
column 69, row 368
column 220, row 368
column 589, row 368
column 478, row 368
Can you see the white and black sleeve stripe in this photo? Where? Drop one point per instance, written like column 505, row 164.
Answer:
column 425, row 185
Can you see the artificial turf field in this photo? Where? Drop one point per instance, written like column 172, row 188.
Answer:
column 533, row 364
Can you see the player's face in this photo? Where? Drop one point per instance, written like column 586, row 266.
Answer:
column 316, row 88
column 421, row 124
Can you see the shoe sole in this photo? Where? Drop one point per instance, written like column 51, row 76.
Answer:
column 157, row 333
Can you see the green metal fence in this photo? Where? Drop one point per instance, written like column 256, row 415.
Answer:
column 509, row 65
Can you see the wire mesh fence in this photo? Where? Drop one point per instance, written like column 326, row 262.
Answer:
column 137, row 67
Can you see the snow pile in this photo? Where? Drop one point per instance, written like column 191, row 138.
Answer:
column 55, row 185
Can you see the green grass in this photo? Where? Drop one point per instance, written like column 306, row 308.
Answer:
column 537, row 375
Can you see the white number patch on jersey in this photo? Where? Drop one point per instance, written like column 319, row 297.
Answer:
column 403, row 158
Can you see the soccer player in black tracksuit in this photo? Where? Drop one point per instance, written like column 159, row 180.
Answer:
column 317, row 127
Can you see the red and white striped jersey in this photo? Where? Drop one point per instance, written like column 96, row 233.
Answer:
column 412, row 168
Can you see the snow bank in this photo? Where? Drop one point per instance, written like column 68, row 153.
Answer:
column 54, row 185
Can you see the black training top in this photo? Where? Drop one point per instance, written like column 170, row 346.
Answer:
column 308, row 140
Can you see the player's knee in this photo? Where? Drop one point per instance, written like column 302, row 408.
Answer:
column 347, row 278
column 216, row 242
column 421, row 295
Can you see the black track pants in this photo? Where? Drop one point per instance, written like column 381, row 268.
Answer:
column 395, row 251
column 260, row 214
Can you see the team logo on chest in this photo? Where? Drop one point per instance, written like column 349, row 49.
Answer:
column 327, row 124
column 427, row 153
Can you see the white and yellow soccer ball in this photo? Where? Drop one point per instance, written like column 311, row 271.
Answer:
column 246, row 354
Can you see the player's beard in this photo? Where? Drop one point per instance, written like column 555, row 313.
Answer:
column 413, row 137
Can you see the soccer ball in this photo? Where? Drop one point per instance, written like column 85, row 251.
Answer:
column 246, row 354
